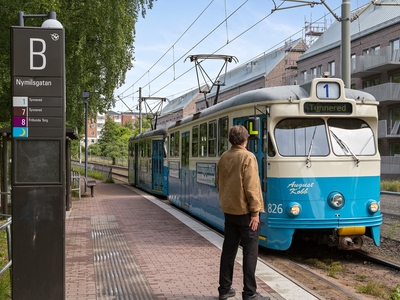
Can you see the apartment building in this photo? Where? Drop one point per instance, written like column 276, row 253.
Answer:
column 375, row 64
column 96, row 125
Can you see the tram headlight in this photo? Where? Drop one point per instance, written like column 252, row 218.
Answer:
column 294, row 209
column 373, row 206
column 336, row 200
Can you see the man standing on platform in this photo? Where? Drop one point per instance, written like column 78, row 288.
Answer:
column 241, row 201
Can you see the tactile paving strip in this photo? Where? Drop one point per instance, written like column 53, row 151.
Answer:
column 118, row 275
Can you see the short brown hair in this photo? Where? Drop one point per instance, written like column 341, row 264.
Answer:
column 238, row 134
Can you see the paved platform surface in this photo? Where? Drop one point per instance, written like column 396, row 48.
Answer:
column 125, row 244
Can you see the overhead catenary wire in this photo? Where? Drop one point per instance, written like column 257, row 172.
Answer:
column 176, row 77
column 186, row 53
column 190, row 26
column 228, row 42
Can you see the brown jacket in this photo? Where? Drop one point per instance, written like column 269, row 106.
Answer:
column 238, row 182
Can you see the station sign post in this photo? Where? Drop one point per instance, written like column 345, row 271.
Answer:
column 38, row 159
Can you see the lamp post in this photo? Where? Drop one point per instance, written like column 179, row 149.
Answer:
column 86, row 95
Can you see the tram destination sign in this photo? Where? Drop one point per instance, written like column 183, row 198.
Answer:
column 330, row 108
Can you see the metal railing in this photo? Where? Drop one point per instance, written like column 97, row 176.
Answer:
column 7, row 226
column 76, row 182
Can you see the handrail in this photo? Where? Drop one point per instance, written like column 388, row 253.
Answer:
column 6, row 226
column 76, row 179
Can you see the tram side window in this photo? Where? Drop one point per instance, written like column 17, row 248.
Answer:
column 301, row 137
column 130, row 149
column 174, row 144
column 148, row 148
column 203, row 140
column 351, row 136
column 144, row 148
column 223, row 135
column 195, row 141
column 212, row 138
column 141, row 149
column 266, row 140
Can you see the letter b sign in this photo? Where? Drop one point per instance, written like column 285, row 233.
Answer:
column 37, row 48
column 38, row 51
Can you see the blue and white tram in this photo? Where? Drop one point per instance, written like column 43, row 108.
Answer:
column 316, row 145
column 147, row 168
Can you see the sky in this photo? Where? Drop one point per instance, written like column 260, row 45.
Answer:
column 174, row 30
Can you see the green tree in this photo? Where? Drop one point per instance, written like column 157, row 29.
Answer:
column 94, row 149
column 146, row 125
column 99, row 38
column 114, row 140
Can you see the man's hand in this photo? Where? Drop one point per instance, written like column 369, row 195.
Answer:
column 254, row 221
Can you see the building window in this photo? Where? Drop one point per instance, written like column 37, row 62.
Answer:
column 394, row 50
column 319, row 70
column 353, row 61
column 394, row 116
column 331, row 68
column 394, row 149
column 395, row 78
column 375, row 49
column 313, row 72
column 303, row 75
column 365, row 84
column 376, row 81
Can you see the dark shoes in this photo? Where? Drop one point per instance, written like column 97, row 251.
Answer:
column 231, row 293
column 256, row 296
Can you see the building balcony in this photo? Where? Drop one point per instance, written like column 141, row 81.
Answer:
column 375, row 62
column 386, row 131
column 385, row 92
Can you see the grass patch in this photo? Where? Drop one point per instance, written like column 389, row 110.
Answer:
column 332, row 267
column 93, row 174
column 380, row 290
column 392, row 230
column 390, row 185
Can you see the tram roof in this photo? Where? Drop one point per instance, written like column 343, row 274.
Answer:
column 255, row 68
column 277, row 93
column 156, row 132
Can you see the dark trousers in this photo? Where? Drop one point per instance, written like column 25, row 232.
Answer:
column 237, row 231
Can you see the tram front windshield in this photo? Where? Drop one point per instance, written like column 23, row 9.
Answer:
column 309, row 137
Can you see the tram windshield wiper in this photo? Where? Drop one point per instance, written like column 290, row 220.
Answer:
column 344, row 147
column 311, row 145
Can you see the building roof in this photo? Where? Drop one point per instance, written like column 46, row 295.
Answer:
column 179, row 102
column 259, row 67
column 252, row 70
column 374, row 18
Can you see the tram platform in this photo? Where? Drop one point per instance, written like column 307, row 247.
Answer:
column 125, row 244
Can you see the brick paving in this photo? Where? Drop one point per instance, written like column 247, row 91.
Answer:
column 176, row 261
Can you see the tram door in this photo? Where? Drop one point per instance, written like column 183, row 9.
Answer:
column 257, row 147
column 185, row 172
column 157, row 165
column 136, row 158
